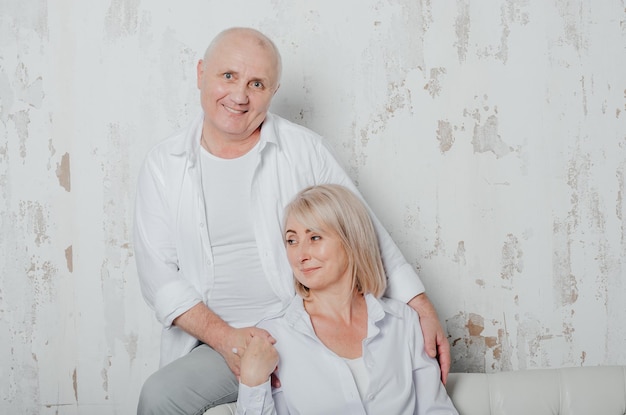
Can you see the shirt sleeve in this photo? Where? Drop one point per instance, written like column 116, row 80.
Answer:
column 432, row 397
column 403, row 282
column 256, row 400
column 162, row 283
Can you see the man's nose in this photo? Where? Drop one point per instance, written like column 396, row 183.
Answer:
column 239, row 93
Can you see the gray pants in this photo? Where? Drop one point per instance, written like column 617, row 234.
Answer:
column 189, row 385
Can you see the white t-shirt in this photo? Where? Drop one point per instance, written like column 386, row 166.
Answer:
column 240, row 292
column 359, row 373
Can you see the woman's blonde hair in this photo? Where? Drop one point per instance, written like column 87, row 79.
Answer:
column 334, row 208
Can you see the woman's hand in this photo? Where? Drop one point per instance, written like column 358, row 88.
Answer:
column 258, row 360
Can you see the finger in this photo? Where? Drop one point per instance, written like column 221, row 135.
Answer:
column 274, row 381
column 260, row 332
column 444, row 363
column 264, row 336
column 431, row 347
column 444, row 357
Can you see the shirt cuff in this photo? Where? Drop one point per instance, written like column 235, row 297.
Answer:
column 252, row 399
column 404, row 284
column 174, row 299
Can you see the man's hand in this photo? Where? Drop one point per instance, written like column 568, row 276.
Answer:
column 209, row 328
column 235, row 342
column 435, row 341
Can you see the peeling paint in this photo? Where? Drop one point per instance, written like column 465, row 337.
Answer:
column 75, row 384
column 21, row 119
column 512, row 258
column 131, row 346
column 7, row 94
column 472, row 350
column 63, row 172
column 445, row 136
column 42, row 274
column 573, row 28
column 462, row 29
column 104, row 373
column 584, row 95
column 487, row 139
column 36, row 217
column 565, row 284
column 69, row 258
column 459, row 256
column 434, row 84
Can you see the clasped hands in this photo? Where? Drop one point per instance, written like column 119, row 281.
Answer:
column 251, row 356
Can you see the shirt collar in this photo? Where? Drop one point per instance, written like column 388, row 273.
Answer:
column 269, row 131
column 297, row 317
column 190, row 145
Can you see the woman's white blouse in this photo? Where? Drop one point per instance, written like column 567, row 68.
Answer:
column 402, row 378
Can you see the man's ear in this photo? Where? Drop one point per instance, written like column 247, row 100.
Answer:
column 199, row 73
column 276, row 90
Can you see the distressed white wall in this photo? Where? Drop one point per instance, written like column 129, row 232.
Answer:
column 489, row 136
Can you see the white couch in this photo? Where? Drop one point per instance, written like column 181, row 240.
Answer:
column 569, row 391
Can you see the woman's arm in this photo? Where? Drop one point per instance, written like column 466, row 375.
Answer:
column 258, row 361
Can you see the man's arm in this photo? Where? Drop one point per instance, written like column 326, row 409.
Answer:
column 435, row 341
column 173, row 298
column 209, row 328
column 403, row 283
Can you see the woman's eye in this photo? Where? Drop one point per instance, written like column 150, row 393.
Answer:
column 316, row 238
column 290, row 242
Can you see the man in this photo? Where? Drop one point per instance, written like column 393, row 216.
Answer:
column 208, row 237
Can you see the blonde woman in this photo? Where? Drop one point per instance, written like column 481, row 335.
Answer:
column 339, row 347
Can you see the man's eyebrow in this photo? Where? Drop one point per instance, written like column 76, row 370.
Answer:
column 264, row 81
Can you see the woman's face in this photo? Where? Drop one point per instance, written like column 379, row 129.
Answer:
column 317, row 257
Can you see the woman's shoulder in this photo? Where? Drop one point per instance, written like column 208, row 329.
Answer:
column 394, row 306
column 290, row 312
column 398, row 309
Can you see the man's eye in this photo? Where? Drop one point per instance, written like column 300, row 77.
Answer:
column 228, row 75
column 257, row 84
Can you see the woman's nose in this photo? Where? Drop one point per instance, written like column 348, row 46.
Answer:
column 303, row 253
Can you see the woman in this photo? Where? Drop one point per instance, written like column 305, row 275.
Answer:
column 342, row 348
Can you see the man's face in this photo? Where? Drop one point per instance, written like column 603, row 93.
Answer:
column 237, row 81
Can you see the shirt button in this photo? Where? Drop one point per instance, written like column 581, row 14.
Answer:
column 202, row 224
column 371, row 396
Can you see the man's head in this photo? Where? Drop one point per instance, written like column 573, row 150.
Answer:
column 237, row 78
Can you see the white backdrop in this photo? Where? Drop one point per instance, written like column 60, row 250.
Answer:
column 489, row 136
